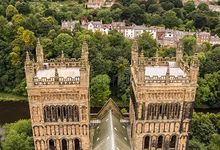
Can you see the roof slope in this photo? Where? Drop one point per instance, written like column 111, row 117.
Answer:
column 110, row 134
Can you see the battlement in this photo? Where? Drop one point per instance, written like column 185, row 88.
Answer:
column 53, row 63
column 159, row 70
column 161, row 61
column 166, row 80
column 53, row 81
column 59, row 71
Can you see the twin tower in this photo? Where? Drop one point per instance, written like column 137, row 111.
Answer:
column 161, row 104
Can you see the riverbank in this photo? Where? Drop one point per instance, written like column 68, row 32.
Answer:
column 11, row 97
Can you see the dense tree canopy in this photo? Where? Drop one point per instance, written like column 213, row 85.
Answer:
column 18, row 136
column 100, row 90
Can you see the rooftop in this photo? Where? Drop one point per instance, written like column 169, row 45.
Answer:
column 111, row 134
column 62, row 72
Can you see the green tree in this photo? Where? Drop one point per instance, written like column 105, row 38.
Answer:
column 18, row 20
column 167, row 5
column 155, row 20
column 154, row 8
column 202, row 127
column 203, row 7
column 122, row 66
column 211, row 63
column 147, row 44
column 105, row 15
column 209, row 89
column 214, row 142
column 23, row 7
column 170, row 19
column 200, row 20
column 100, row 90
column 11, row 11
column 194, row 144
column 189, row 6
column 189, row 43
column 18, row 136
column 63, row 42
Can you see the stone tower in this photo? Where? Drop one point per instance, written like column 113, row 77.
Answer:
column 58, row 94
column 163, row 92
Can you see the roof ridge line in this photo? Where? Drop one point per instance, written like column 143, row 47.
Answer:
column 112, row 130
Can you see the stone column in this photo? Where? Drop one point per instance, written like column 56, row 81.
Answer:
column 58, row 144
column 70, row 144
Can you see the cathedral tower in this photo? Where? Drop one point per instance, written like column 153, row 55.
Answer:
column 163, row 92
column 58, row 94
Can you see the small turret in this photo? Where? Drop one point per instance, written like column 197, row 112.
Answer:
column 39, row 55
column 85, row 52
column 134, row 52
column 156, row 58
column 29, row 70
column 84, row 70
column 56, row 75
column 179, row 53
column 167, row 77
column 194, row 68
column 28, row 60
column 141, row 69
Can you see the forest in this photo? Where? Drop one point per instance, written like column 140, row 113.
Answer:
column 23, row 21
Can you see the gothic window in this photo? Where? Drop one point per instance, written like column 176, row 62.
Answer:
column 160, row 141
column 77, row 144
column 160, row 110
column 70, row 113
column 52, row 144
column 53, row 113
column 75, row 113
column 64, row 144
column 163, row 111
column 173, row 141
column 64, row 112
column 146, row 142
column 56, row 113
column 59, row 113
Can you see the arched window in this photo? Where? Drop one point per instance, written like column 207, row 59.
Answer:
column 146, row 142
column 64, row 144
column 59, row 114
column 160, row 141
column 45, row 113
column 77, row 144
column 75, row 113
column 52, row 144
column 173, row 141
column 53, row 114
column 70, row 113
column 160, row 110
column 64, row 112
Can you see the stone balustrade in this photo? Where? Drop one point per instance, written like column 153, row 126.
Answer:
column 60, row 81
column 164, row 79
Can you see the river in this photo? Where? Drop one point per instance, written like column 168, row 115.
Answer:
column 13, row 111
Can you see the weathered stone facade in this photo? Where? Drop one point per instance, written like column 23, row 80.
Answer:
column 59, row 104
column 162, row 96
column 161, row 106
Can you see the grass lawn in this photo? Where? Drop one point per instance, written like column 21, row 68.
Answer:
column 11, row 97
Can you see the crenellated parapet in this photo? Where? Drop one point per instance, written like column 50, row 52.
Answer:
column 58, row 71
column 163, row 70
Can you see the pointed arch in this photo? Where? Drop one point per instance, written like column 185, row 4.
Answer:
column 75, row 113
